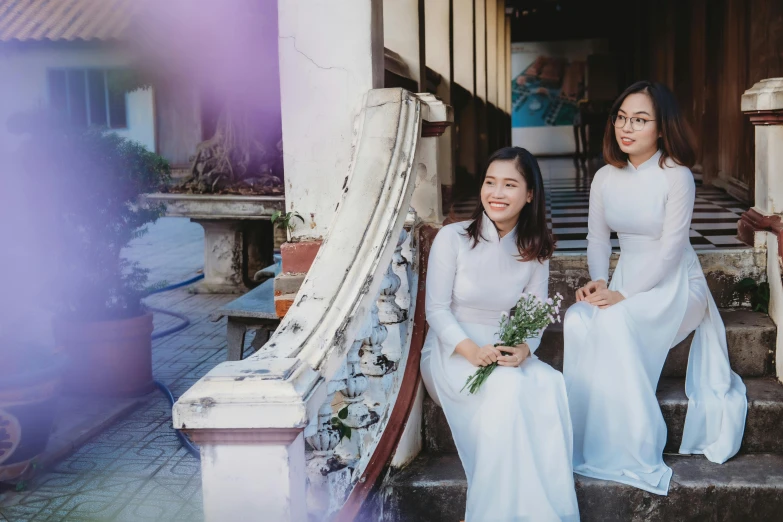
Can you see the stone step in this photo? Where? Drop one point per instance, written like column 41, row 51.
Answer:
column 723, row 268
column 747, row 488
column 762, row 427
column 750, row 337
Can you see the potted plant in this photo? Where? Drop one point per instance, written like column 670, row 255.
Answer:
column 29, row 386
column 30, row 371
column 89, row 183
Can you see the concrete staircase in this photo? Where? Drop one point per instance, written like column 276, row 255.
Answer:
column 748, row 487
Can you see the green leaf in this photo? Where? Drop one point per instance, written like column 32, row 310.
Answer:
column 343, row 414
column 746, row 285
column 275, row 216
column 347, row 431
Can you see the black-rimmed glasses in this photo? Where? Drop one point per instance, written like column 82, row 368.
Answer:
column 637, row 124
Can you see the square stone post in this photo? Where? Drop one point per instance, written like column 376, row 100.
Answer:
column 235, row 486
column 761, row 225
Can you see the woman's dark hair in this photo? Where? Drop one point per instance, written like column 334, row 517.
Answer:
column 534, row 239
column 676, row 140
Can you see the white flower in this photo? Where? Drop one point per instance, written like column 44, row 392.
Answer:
column 524, row 295
column 549, row 301
column 551, row 318
column 503, row 315
column 557, row 309
column 558, row 318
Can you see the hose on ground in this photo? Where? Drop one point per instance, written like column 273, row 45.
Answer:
column 184, row 323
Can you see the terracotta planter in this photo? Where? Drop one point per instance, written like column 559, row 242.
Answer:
column 27, row 407
column 107, row 357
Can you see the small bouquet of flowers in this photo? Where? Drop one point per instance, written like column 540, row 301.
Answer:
column 530, row 317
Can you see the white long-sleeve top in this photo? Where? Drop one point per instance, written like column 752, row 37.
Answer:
column 476, row 285
column 645, row 204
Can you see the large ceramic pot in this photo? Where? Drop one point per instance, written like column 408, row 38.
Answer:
column 110, row 358
column 28, row 401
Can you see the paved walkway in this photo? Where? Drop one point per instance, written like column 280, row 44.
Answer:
column 137, row 470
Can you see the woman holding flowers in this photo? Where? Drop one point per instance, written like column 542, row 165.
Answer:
column 618, row 335
column 514, row 434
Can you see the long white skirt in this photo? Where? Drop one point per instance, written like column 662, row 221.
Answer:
column 513, row 437
column 613, row 361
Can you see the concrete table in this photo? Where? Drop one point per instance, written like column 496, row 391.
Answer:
column 236, row 230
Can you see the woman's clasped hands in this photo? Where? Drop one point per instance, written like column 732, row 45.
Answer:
column 503, row 355
column 598, row 294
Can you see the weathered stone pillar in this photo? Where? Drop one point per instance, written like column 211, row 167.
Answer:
column 438, row 57
column 427, row 198
column 235, row 485
column 401, row 34
column 492, row 75
column 500, row 56
column 331, row 55
column 464, row 78
column 507, row 105
column 762, row 225
column 482, row 109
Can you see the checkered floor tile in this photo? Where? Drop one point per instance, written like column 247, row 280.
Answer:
column 714, row 223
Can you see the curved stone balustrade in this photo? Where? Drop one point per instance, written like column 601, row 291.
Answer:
column 336, row 363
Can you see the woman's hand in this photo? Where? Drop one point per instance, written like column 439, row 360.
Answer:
column 604, row 298
column 517, row 355
column 482, row 355
column 589, row 289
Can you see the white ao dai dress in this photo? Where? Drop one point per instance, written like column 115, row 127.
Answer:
column 614, row 356
column 514, row 436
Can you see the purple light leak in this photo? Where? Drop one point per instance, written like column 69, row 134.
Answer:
column 227, row 50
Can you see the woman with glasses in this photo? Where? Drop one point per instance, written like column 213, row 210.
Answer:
column 618, row 334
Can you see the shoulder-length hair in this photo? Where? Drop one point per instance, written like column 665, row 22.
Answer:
column 534, row 239
column 676, row 140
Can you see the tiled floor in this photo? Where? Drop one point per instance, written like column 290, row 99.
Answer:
column 137, row 470
column 714, row 222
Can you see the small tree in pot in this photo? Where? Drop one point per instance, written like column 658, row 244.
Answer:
column 89, row 183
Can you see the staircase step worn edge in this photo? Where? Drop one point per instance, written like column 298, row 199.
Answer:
column 748, row 487
column 762, row 428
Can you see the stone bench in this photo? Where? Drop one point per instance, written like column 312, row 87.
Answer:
column 255, row 310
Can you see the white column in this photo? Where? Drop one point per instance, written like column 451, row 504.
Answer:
column 481, row 49
column 435, row 163
column 760, row 103
column 508, row 66
column 500, row 56
column 331, row 54
column 464, row 75
column 237, row 482
column 401, row 34
column 763, row 104
column 438, row 58
column 463, row 43
column 763, row 224
column 492, row 51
